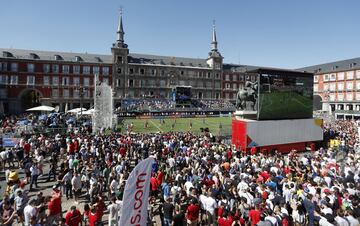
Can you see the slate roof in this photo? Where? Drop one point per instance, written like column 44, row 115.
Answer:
column 101, row 58
column 343, row 65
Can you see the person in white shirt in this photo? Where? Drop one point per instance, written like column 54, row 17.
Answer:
column 76, row 186
column 29, row 212
column 209, row 204
column 113, row 212
column 352, row 220
column 34, row 171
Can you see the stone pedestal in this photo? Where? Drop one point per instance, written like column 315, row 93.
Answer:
column 245, row 115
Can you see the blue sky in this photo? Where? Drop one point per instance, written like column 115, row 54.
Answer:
column 279, row 33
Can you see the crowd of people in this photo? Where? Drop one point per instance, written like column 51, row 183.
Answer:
column 167, row 104
column 196, row 180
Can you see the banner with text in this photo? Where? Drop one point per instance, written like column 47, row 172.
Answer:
column 136, row 194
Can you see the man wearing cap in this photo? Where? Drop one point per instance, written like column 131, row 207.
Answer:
column 73, row 217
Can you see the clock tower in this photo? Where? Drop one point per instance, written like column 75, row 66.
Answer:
column 120, row 54
column 214, row 59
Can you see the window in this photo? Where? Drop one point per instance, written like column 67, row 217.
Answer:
column 76, row 69
column 241, row 78
column 3, row 93
column 13, row 80
column 332, row 86
column 358, row 85
column 142, row 71
column 340, row 86
column 333, row 77
column 227, row 77
column 2, row 68
column 30, row 67
column 65, row 69
column 55, row 68
column 76, row 81
column 86, row 70
column 162, row 83
column 227, row 85
column 153, row 71
column 340, row 96
column 234, row 77
column 217, row 76
column 55, row 81
column 65, row 81
column 349, row 96
column 30, row 80
column 119, row 59
column 46, row 68
column 106, row 81
column 332, row 97
column 131, row 83
column 349, row 85
column 358, row 96
column 163, row 72
column 66, row 93
column 316, row 87
column 105, row 70
column 316, row 78
column 350, row 75
column 76, row 93
column 46, row 80
column 3, row 79
column 86, row 81
column 326, row 86
column 234, row 86
column 14, row 67
column 131, row 71
column 217, row 85
column 55, row 93
column 118, row 82
column 358, row 74
column 119, row 70
column 217, row 95
column 96, row 70
column 208, row 75
column 340, row 76
column 326, row 77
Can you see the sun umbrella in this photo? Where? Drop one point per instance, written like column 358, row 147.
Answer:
column 41, row 108
column 76, row 110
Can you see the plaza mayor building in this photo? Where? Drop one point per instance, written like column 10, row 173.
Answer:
column 65, row 79
column 337, row 88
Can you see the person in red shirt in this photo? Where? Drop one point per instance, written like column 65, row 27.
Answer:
column 254, row 215
column 192, row 213
column 54, row 208
column 73, row 217
column 122, row 151
column 94, row 217
column 154, row 185
column 27, row 149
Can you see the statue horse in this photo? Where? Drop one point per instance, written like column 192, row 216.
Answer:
column 246, row 95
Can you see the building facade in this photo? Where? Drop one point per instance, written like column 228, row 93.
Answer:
column 140, row 75
column 29, row 78
column 337, row 88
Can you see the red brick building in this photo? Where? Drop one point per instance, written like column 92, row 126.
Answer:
column 28, row 78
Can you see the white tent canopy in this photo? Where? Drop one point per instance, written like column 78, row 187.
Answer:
column 41, row 108
column 76, row 110
column 88, row 112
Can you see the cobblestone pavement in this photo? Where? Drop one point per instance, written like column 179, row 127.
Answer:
column 46, row 188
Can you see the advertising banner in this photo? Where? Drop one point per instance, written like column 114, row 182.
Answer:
column 136, row 194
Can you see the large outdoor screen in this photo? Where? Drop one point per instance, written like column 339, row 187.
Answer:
column 285, row 95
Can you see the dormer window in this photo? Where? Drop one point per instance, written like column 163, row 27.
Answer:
column 58, row 57
column 98, row 59
column 78, row 59
column 7, row 54
column 34, row 56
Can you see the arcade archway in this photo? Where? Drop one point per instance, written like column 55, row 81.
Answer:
column 30, row 98
column 317, row 103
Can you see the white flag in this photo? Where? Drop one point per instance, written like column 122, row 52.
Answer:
column 136, row 194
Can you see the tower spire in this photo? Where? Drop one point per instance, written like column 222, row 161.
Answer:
column 214, row 41
column 120, row 31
